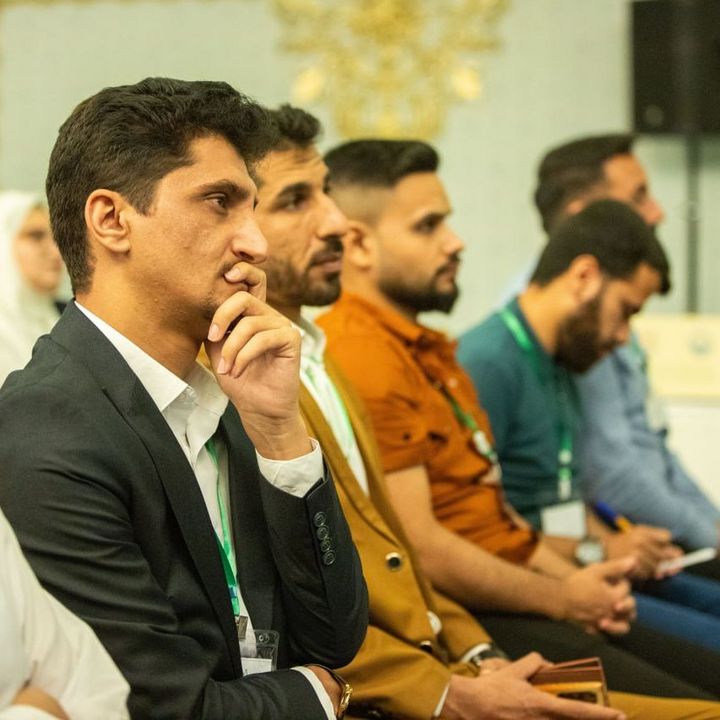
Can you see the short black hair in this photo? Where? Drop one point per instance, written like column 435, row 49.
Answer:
column 611, row 232
column 127, row 138
column 570, row 170
column 295, row 128
column 379, row 163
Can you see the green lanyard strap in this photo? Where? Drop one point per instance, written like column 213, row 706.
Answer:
column 227, row 553
column 562, row 394
column 480, row 439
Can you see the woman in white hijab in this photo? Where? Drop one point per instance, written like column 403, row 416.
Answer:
column 30, row 272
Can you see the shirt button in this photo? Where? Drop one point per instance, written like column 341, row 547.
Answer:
column 325, row 545
column 394, row 561
column 319, row 519
column 328, row 558
column 322, row 533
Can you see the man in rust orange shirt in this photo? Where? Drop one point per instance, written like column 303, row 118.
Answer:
column 436, row 442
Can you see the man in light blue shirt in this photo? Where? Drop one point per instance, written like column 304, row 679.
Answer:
column 625, row 459
column 621, row 441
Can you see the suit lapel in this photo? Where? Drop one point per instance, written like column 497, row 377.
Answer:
column 381, row 506
column 338, row 463
column 75, row 332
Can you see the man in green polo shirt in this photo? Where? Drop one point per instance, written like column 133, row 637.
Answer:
column 597, row 270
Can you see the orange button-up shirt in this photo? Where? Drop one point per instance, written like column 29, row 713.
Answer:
column 400, row 369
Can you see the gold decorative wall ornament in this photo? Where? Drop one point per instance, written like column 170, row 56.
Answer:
column 389, row 68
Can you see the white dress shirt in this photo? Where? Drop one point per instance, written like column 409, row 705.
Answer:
column 193, row 408
column 44, row 645
column 323, row 392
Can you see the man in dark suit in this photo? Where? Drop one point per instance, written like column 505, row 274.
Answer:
column 174, row 521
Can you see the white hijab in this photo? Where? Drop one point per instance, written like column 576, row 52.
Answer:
column 25, row 314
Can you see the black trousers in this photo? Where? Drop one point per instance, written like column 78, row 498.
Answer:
column 644, row 661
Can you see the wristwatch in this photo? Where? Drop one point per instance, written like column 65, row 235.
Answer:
column 485, row 653
column 346, row 691
column 589, row 550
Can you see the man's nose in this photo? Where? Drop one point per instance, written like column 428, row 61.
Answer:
column 249, row 243
column 653, row 212
column 453, row 243
column 332, row 222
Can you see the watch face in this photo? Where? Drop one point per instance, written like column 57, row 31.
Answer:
column 589, row 551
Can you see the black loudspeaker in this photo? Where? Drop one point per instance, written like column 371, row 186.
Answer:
column 676, row 66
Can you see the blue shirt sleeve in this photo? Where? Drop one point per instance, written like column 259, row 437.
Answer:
column 627, row 464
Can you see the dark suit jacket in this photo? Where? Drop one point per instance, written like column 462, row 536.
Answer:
column 110, row 514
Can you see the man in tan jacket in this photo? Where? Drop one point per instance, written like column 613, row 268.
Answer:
column 424, row 656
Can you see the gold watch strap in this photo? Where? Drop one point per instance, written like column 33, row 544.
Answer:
column 345, row 694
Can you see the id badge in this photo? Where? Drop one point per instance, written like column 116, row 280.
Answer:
column 259, row 651
column 564, row 520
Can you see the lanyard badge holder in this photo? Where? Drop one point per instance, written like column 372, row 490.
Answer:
column 258, row 648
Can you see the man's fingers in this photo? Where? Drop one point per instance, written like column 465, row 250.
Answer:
column 562, row 708
column 264, row 342
column 614, row 571
column 526, row 666
column 237, row 305
column 657, row 534
column 614, row 626
column 248, row 277
column 626, row 607
column 246, row 328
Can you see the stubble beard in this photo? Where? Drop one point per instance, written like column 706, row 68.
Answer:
column 579, row 345
column 427, row 298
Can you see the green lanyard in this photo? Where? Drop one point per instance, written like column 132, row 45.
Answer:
column 227, row 553
column 562, row 393
column 480, row 439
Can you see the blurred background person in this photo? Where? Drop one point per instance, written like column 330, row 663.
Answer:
column 51, row 663
column 30, row 273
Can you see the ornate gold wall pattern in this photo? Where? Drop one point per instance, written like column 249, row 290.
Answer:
column 389, row 67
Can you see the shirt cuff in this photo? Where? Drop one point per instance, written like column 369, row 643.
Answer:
column 473, row 651
column 294, row 476
column 24, row 712
column 317, row 686
column 441, row 704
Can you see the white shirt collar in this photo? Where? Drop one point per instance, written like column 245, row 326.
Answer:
column 163, row 386
column 313, row 340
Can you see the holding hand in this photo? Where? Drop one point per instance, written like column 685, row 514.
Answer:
column 649, row 545
column 506, row 694
column 255, row 355
column 598, row 596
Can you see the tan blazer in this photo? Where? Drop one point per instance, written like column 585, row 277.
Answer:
column 402, row 668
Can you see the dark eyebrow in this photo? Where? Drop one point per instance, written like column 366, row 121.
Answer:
column 298, row 188
column 433, row 217
column 237, row 192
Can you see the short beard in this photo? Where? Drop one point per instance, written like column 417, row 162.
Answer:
column 579, row 346
column 420, row 299
column 289, row 288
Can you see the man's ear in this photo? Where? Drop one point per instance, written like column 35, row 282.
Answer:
column 106, row 216
column 585, row 277
column 359, row 243
column 575, row 206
